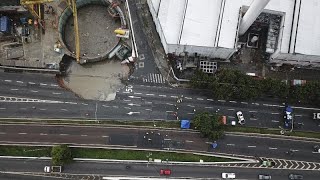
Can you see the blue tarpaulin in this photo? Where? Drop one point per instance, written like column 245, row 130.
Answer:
column 185, row 124
column 289, row 109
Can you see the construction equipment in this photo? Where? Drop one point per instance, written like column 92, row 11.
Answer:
column 73, row 6
column 34, row 7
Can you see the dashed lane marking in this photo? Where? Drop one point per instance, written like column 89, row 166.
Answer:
column 84, row 135
column 200, row 99
column 273, row 148
column 275, row 113
column 188, row 98
column 244, row 103
column 230, row 109
column 14, row 89
column 43, row 134
column 253, row 119
column 161, row 95
column 137, row 93
column 71, row 103
column 222, row 100
column 150, row 94
column 64, row 110
column 31, row 83
column 43, row 109
column 233, row 101
column 105, row 106
column 56, row 93
column 189, row 141
column 275, row 121
column 63, row 134
column 127, row 107
column 174, row 96
column 252, row 146
column 210, row 100
column 8, row 80
column 54, row 85
column 34, row 91
column 190, row 113
column 191, row 105
column 85, row 104
column 253, row 111
column 3, row 133
column 22, row 133
column 230, row 144
column 23, row 108
column 298, row 115
column 127, row 100
column 115, row 107
column 148, row 109
column 43, row 84
column 169, row 104
column 19, row 82
column 104, row 136
column 208, row 107
column 3, row 108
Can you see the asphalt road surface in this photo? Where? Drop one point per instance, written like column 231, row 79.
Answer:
column 100, row 170
column 39, row 96
column 246, row 145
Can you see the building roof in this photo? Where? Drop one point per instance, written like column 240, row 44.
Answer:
column 308, row 36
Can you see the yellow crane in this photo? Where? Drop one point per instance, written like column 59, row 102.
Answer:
column 31, row 5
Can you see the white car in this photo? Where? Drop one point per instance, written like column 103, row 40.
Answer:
column 228, row 175
column 241, row 119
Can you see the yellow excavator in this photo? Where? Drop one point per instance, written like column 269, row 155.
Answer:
column 34, row 7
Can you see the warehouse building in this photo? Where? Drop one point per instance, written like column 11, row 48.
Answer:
column 284, row 29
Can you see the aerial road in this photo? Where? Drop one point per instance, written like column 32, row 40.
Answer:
column 39, row 96
column 99, row 170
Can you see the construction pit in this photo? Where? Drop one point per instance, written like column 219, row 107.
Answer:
column 92, row 79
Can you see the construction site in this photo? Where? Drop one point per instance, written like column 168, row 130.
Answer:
column 87, row 40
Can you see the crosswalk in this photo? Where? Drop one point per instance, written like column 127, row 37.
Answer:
column 154, row 78
column 279, row 164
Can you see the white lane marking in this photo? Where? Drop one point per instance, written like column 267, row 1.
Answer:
column 84, row 104
column 22, row 133
column 126, row 92
column 19, row 82
column 253, row 119
column 150, row 94
column 188, row 141
column 169, row 104
column 190, row 113
column 208, row 107
column 71, row 103
column 43, row 84
column 137, row 93
column 54, row 85
column 105, row 106
column 294, row 150
column 84, row 135
column 244, row 103
column 31, row 83
column 273, row 148
column 307, row 108
column 14, row 89
column 3, row 108
column 105, row 136
column 253, row 111
column 222, row 100
column 188, row 97
column 210, row 100
column 127, row 100
column 252, row 146
column 230, row 109
column 275, row 121
column 148, row 109
column 34, row 91
column 148, row 102
column 43, row 134
column 43, row 109
column 275, row 113
column 169, row 111
column 298, row 115
column 23, row 108
column 7, row 80
column 174, row 96
column 230, row 144
column 190, row 105
column 161, row 95
column 127, row 107
column 63, row 134
column 257, row 104
column 200, row 99
column 115, row 106
column 55, row 93
column 232, row 117
column 64, row 110
column 233, row 101
column 208, row 142
column 3, row 133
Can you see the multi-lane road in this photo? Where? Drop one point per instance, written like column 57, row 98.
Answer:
column 142, row 138
column 78, row 170
column 31, row 95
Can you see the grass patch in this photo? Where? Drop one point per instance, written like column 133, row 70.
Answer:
column 32, row 151
column 28, row 151
column 142, row 155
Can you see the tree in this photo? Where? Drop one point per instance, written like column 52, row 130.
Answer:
column 209, row 125
column 61, row 155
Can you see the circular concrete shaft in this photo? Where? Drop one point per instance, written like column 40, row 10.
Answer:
column 96, row 31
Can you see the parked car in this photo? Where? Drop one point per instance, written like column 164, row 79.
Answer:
column 241, row 119
column 166, row 172
column 295, row 176
column 264, row 177
column 228, row 175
